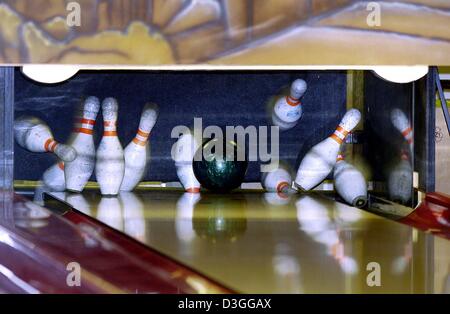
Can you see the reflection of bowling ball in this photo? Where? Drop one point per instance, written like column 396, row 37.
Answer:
column 220, row 218
column 219, row 169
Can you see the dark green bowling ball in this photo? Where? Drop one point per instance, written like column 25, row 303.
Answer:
column 219, row 170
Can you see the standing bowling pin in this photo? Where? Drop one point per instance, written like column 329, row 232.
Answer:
column 402, row 124
column 350, row 183
column 400, row 180
column 137, row 153
column 34, row 135
column 110, row 164
column 78, row 171
column 183, row 154
column 53, row 177
column 288, row 109
column 320, row 160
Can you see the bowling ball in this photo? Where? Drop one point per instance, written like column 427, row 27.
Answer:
column 218, row 168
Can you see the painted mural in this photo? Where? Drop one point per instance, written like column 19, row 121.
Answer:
column 225, row 32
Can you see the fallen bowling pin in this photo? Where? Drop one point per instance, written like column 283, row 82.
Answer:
column 34, row 135
column 183, row 154
column 288, row 110
column 78, row 171
column 349, row 183
column 320, row 160
column 110, row 163
column 278, row 181
column 53, row 177
column 137, row 152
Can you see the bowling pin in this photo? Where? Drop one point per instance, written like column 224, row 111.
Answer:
column 183, row 154
column 320, row 160
column 349, row 183
column 53, row 177
column 78, row 171
column 137, row 153
column 34, row 135
column 110, row 164
column 400, row 180
column 402, row 124
column 288, row 110
column 278, row 180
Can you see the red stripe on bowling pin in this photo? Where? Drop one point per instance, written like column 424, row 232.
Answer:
column 50, row 145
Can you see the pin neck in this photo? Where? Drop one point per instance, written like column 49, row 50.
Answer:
column 84, row 125
column 408, row 134
column 50, row 145
column 291, row 101
column 340, row 134
column 141, row 138
column 110, row 128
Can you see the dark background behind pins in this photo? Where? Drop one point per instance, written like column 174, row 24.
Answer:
column 220, row 98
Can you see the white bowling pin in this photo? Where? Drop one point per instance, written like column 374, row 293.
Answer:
column 78, row 171
column 278, row 180
column 34, row 135
column 350, row 183
column 288, row 110
column 400, row 180
column 320, row 160
column 402, row 124
column 110, row 164
column 183, row 154
column 137, row 153
column 53, row 177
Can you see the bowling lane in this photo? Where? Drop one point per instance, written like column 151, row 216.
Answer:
column 257, row 242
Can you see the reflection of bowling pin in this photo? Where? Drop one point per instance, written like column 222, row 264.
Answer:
column 109, row 212
column 78, row 172
column 287, row 270
column 137, row 153
column 53, row 177
column 183, row 154
column 133, row 215
column 185, row 212
column 350, row 183
column 320, row 160
column 110, row 164
column 402, row 124
column 314, row 219
column 34, row 135
column 277, row 199
column 400, row 180
column 78, row 202
column 288, row 110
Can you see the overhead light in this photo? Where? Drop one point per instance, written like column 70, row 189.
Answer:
column 49, row 74
column 401, row 74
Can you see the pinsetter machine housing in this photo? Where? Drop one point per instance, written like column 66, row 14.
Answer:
column 397, row 168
